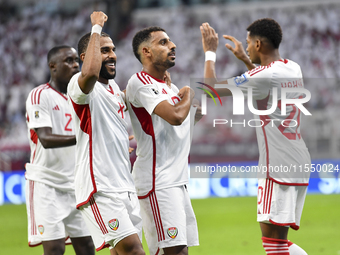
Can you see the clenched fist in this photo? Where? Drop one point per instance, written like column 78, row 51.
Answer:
column 98, row 18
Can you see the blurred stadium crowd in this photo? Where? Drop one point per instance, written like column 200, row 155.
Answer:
column 311, row 37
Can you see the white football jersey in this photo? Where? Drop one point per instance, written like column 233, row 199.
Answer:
column 46, row 107
column 162, row 149
column 281, row 147
column 102, row 149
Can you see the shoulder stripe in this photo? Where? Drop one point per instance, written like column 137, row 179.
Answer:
column 261, row 68
column 45, row 87
column 256, row 70
column 35, row 95
column 32, row 96
column 139, row 77
column 147, row 77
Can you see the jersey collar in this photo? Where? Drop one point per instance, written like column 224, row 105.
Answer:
column 57, row 91
column 162, row 81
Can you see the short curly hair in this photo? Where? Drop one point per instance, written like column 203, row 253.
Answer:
column 267, row 28
column 52, row 52
column 84, row 41
column 142, row 36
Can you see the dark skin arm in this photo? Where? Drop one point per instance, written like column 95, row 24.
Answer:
column 238, row 51
column 49, row 140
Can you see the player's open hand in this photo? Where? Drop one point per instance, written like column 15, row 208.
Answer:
column 98, row 18
column 209, row 38
column 238, row 50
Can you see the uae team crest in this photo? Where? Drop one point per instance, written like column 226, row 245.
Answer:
column 172, row 232
column 41, row 229
column 114, row 224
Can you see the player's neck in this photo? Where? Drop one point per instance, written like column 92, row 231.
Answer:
column 57, row 86
column 266, row 59
column 159, row 74
column 102, row 80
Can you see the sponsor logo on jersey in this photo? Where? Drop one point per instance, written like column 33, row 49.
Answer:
column 240, row 79
column 172, row 232
column 36, row 114
column 56, row 108
column 155, row 91
column 164, row 91
column 41, row 229
column 114, row 224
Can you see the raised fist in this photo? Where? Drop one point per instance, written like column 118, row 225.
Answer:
column 98, row 18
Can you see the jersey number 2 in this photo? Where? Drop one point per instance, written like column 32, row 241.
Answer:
column 296, row 135
column 69, row 116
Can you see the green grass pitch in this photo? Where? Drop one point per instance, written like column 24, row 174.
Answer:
column 226, row 226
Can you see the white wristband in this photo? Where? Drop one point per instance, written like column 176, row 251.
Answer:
column 210, row 55
column 96, row 29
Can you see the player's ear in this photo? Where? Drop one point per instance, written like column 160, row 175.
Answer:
column 146, row 51
column 258, row 44
column 52, row 65
column 82, row 57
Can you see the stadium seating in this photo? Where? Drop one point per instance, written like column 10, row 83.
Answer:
column 311, row 38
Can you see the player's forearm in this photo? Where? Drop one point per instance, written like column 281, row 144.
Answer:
column 57, row 141
column 49, row 140
column 182, row 109
column 91, row 64
column 209, row 73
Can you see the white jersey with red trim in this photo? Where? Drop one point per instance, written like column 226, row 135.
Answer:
column 162, row 149
column 102, row 149
column 281, row 147
column 46, row 107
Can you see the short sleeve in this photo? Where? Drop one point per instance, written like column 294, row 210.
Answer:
column 144, row 95
column 258, row 80
column 38, row 113
column 174, row 88
column 75, row 93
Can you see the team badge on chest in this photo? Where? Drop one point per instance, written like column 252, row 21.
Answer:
column 36, row 114
column 172, row 232
column 114, row 224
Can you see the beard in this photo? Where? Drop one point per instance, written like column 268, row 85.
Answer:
column 104, row 73
column 164, row 64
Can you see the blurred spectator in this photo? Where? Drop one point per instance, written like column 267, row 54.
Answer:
column 312, row 36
